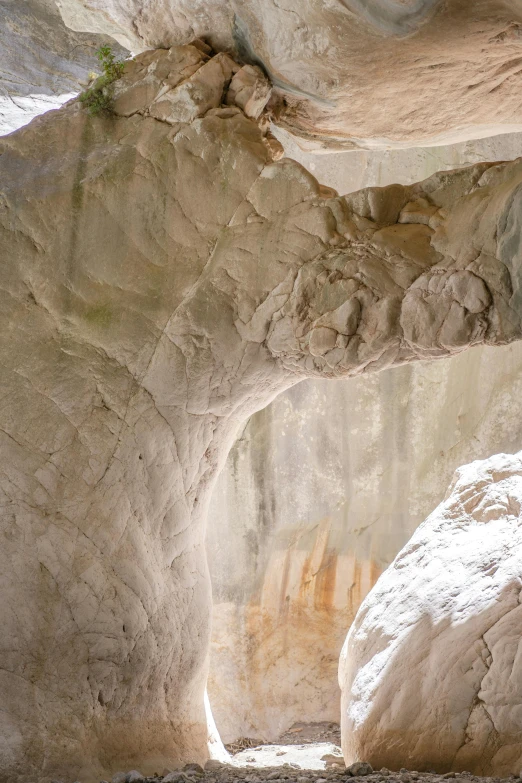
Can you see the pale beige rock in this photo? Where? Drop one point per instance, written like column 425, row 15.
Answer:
column 326, row 485
column 196, row 95
column 430, row 670
column 351, row 73
column 319, row 494
column 251, row 90
column 161, row 281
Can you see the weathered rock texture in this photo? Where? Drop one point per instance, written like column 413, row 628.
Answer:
column 42, row 62
column 326, row 485
column 320, row 493
column 363, row 73
column 164, row 277
column 431, row 670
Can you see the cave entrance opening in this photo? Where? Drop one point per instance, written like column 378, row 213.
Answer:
column 287, row 578
column 310, row 507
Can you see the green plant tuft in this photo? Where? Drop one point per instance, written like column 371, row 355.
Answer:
column 99, row 97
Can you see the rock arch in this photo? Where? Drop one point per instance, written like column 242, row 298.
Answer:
column 164, row 276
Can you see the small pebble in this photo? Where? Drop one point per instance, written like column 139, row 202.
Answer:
column 290, row 772
column 359, row 768
column 194, row 768
column 213, row 765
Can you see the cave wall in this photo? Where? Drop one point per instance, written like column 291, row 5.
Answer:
column 326, row 485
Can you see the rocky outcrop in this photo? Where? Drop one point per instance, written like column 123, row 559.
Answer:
column 164, row 276
column 326, row 485
column 445, row 71
column 430, row 671
column 43, row 63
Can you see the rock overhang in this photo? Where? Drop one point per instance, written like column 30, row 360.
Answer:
column 348, row 74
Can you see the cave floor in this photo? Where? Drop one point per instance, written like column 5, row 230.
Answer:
column 289, row 773
column 306, row 753
column 276, row 763
column 299, row 733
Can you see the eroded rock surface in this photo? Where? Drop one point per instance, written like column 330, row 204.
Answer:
column 353, row 73
column 431, row 671
column 164, row 276
column 325, row 486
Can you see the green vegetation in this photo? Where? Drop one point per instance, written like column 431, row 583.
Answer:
column 99, row 315
column 98, row 97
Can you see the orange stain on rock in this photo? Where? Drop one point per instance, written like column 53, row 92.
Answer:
column 287, row 638
column 324, row 593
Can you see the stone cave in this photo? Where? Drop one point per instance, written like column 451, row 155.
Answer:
column 218, row 565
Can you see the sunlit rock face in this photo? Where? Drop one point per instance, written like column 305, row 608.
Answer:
column 319, row 494
column 325, row 486
column 106, row 225
column 43, row 63
column 431, row 671
column 351, row 73
column 165, row 274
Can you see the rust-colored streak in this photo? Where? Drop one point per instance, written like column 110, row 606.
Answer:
column 284, row 599
column 365, row 575
column 375, row 572
column 324, row 592
column 354, row 591
column 304, row 594
column 305, row 582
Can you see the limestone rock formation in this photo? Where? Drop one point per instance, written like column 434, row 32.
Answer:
column 353, row 73
column 325, row 486
column 319, row 494
column 431, row 669
column 42, row 62
column 163, row 277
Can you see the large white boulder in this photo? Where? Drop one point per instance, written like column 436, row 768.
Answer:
column 431, row 670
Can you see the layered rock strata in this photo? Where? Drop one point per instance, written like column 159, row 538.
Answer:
column 164, row 276
column 431, row 671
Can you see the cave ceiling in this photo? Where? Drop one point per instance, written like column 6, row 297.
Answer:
column 368, row 74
